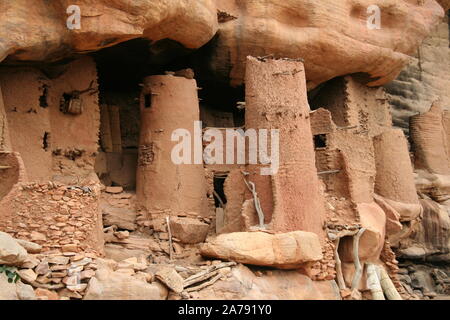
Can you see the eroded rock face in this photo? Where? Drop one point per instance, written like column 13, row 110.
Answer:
column 424, row 80
column 285, row 250
column 327, row 34
column 429, row 141
column 41, row 33
column 431, row 237
column 272, row 285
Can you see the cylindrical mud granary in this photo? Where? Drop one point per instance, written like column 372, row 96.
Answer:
column 276, row 98
column 394, row 179
column 430, row 141
column 169, row 107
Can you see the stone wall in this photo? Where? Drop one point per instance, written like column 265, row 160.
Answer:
column 58, row 217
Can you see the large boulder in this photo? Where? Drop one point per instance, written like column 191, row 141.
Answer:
column 11, row 253
column 331, row 36
column 243, row 284
column 123, row 218
column 430, row 237
column 15, row 291
column 285, row 250
column 188, row 230
column 373, row 219
column 110, row 285
column 103, row 24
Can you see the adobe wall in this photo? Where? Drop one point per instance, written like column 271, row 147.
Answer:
column 335, row 100
column 394, row 178
column 164, row 187
column 116, row 161
column 53, row 145
column 330, row 162
column 353, row 104
column 429, row 141
column 74, row 138
column 370, row 104
column 356, row 113
column 28, row 122
column 11, row 174
column 322, row 122
column 276, row 99
column 359, row 163
column 50, row 145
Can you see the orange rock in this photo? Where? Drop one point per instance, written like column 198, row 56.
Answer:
column 284, row 250
column 344, row 46
column 50, row 295
column 196, row 25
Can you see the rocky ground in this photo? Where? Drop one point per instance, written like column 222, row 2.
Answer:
column 145, row 261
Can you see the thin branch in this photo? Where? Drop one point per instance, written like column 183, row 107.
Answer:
column 170, row 238
column 358, row 267
column 251, row 186
column 205, row 284
column 339, row 275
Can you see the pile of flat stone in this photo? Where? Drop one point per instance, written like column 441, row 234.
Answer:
column 55, row 216
column 58, row 275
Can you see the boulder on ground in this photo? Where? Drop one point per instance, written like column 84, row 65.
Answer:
column 371, row 242
column 244, row 284
column 170, row 278
column 15, row 291
column 11, row 253
column 285, row 250
column 110, row 285
column 188, row 230
column 123, row 218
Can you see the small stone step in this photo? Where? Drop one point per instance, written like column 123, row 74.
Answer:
column 114, row 190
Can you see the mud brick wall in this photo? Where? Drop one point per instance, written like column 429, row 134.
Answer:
column 53, row 145
column 58, row 217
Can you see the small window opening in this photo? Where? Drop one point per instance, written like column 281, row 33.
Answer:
column 65, row 101
column 43, row 103
column 220, row 200
column 320, row 141
column 46, row 141
column 148, row 100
